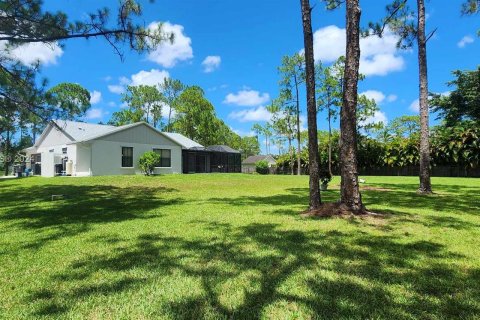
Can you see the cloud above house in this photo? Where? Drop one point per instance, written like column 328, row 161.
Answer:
column 32, row 53
column 143, row 77
column 251, row 115
column 168, row 54
column 95, row 114
column 378, row 117
column 379, row 56
column 247, row 98
column 95, row 97
column 466, row 40
column 211, row 63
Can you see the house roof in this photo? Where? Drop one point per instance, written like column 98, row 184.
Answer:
column 221, row 148
column 83, row 132
column 255, row 159
column 185, row 142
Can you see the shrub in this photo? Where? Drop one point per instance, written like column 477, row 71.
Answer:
column 262, row 167
column 148, row 161
column 325, row 177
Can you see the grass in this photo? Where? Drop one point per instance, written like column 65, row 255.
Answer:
column 233, row 246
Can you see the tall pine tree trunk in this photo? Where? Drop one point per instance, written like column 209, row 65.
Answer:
column 298, row 128
column 329, row 140
column 425, row 185
column 6, row 153
column 350, row 193
column 313, row 156
column 291, row 156
column 169, row 117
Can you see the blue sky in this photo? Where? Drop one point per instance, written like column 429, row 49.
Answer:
column 245, row 41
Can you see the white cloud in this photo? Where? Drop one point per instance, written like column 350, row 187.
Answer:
column 378, row 117
column 211, row 63
column 31, row 53
column 112, row 104
column 256, row 114
column 415, row 106
column 247, row 98
column 375, row 95
column 464, row 41
column 379, row 56
column 148, row 78
column 392, row 98
column 118, row 89
column 95, row 113
column 243, row 133
column 95, row 97
column 169, row 54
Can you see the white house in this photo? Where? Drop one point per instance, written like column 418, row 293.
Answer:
column 249, row 164
column 84, row 149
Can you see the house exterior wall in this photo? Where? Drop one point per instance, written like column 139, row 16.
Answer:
column 107, row 157
column 54, row 137
column 248, row 168
column 103, row 156
column 106, row 151
column 82, row 160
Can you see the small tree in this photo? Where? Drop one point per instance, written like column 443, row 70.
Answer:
column 262, row 167
column 148, row 161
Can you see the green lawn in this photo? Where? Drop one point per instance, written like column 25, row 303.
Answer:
column 233, row 246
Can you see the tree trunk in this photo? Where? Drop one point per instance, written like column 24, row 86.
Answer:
column 350, row 193
column 425, row 184
column 34, row 132
column 6, row 153
column 329, row 140
column 169, row 117
column 313, row 156
column 291, row 156
column 298, row 128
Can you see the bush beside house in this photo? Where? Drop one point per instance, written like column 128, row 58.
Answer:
column 148, row 161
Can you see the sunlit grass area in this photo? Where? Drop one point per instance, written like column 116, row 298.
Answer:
column 217, row 246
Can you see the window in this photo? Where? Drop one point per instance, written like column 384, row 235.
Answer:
column 64, row 150
column 127, row 157
column 165, row 157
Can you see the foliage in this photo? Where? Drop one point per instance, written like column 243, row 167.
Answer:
column 462, row 103
column 126, row 116
column 266, row 131
column 146, row 100
column 170, row 90
column 68, row 101
column 325, row 177
column 148, row 161
column 456, row 145
column 261, row 167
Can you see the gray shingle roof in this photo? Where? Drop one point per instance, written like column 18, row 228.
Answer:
column 182, row 140
column 221, row 148
column 83, row 131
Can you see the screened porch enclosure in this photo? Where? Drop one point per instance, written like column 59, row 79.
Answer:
column 207, row 161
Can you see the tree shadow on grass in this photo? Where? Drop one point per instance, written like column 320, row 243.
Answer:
column 32, row 208
column 273, row 271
